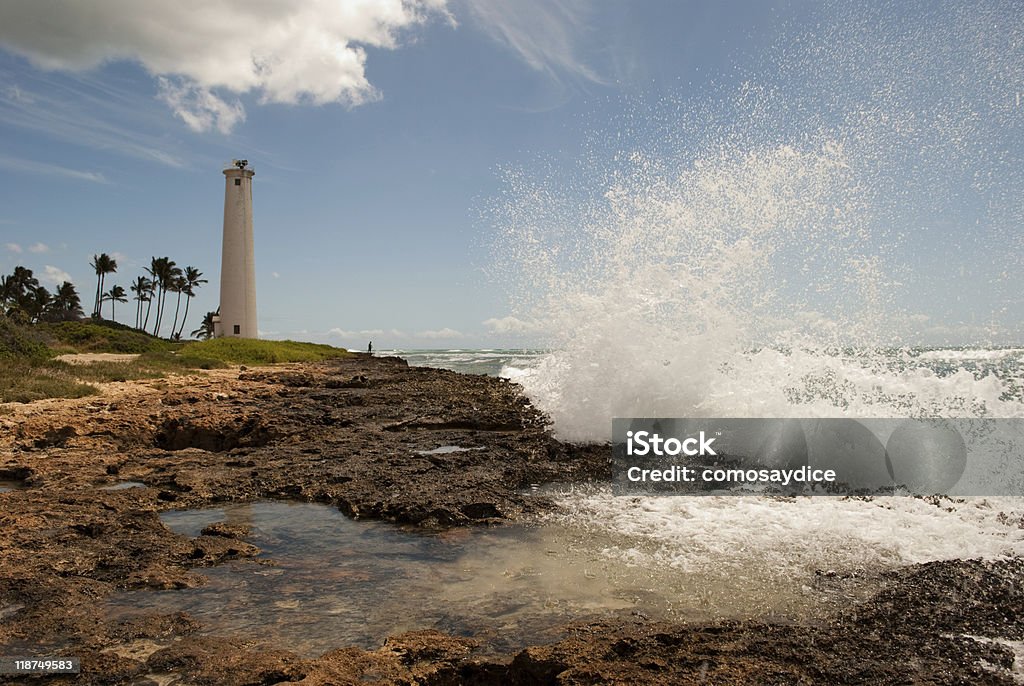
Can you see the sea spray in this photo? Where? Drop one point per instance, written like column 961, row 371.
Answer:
column 771, row 250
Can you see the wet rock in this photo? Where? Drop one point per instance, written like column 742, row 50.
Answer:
column 225, row 530
column 152, row 626
column 66, row 545
column 215, row 661
column 417, row 646
column 357, row 381
column 481, row 511
column 211, row 550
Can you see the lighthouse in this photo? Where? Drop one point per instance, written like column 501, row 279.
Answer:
column 238, row 265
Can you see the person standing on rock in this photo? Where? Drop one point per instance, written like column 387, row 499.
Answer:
column 369, row 348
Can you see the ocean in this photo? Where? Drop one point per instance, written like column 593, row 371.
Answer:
column 767, row 250
column 508, row 362
column 761, row 542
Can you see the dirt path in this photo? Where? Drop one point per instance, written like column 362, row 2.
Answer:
column 89, row 358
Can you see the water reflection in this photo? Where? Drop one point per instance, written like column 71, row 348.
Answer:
column 325, row 581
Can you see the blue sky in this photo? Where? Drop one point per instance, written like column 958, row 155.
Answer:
column 377, row 131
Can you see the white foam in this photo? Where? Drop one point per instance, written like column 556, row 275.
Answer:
column 971, row 354
column 1016, row 670
column 779, row 537
column 750, row 252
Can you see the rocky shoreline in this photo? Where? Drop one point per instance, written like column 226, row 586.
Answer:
column 361, row 434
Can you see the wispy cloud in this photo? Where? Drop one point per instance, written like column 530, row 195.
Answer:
column 205, row 55
column 439, row 334
column 511, row 324
column 14, row 248
column 32, row 167
column 39, row 248
column 199, row 108
column 126, row 261
column 55, row 275
column 546, row 34
column 362, row 333
column 83, row 111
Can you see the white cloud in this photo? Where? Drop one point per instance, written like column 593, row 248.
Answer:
column 440, row 333
column 18, row 95
column 199, row 108
column 55, row 275
column 14, row 247
column 275, row 275
column 362, row 333
column 543, row 33
column 511, row 324
column 39, row 248
column 30, row 166
column 85, row 111
column 205, row 53
column 919, row 318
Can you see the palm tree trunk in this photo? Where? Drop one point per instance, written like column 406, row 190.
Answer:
column 177, row 306
column 96, row 302
column 185, row 318
column 149, row 305
column 156, row 317
column 160, row 310
column 163, row 307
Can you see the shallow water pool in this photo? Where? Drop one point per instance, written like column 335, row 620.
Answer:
column 325, row 581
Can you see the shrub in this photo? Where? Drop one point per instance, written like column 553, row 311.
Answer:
column 21, row 342
column 101, row 337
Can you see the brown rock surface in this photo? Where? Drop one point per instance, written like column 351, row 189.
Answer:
column 356, row 433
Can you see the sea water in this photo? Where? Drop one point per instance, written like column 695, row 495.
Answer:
column 323, row 581
column 837, row 233
column 489, row 361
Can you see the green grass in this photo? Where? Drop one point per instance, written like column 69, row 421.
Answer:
column 257, row 352
column 28, row 372
column 20, row 343
column 99, row 337
column 23, row 380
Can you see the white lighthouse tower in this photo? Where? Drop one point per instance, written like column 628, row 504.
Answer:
column 238, row 264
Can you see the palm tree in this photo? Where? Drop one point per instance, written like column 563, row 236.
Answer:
column 193, row 280
column 115, row 295
column 18, row 289
column 150, row 293
column 178, row 286
column 154, row 278
column 205, row 330
column 164, row 274
column 37, row 303
column 103, row 264
column 7, row 291
column 66, row 303
column 140, row 287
